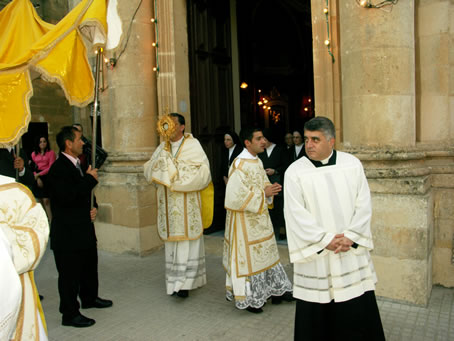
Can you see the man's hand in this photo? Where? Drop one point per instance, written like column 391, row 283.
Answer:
column 270, row 171
column 272, row 190
column 93, row 213
column 339, row 244
column 19, row 163
column 93, row 172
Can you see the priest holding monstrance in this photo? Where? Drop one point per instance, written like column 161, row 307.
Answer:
column 180, row 170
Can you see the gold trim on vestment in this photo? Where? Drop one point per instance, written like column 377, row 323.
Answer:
column 35, row 241
column 181, row 238
column 261, row 240
column 167, row 212
column 38, row 304
column 21, row 316
column 186, row 136
column 20, row 187
column 246, row 240
column 262, row 270
column 249, row 198
column 185, row 210
column 156, row 181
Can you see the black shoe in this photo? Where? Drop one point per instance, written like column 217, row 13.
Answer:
column 98, row 303
column 79, row 321
column 183, row 293
column 254, row 310
column 41, row 297
column 287, row 297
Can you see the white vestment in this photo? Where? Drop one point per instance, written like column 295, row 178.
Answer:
column 24, row 232
column 251, row 257
column 179, row 175
column 318, row 204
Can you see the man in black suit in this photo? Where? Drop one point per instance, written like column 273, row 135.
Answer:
column 274, row 162
column 72, row 233
column 9, row 162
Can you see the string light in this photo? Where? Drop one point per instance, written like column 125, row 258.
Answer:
column 368, row 3
column 327, row 41
column 156, row 32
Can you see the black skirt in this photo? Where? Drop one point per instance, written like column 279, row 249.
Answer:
column 41, row 192
column 357, row 319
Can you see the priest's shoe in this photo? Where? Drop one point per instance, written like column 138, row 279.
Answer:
column 78, row 321
column 254, row 310
column 287, row 297
column 97, row 303
column 183, row 293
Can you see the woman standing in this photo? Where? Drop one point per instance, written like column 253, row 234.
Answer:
column 233, row 148
column 43, row 157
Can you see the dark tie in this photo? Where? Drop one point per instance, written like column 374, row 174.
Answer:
column 78, row 167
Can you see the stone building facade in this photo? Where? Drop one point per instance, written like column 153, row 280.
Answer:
column 390, row 93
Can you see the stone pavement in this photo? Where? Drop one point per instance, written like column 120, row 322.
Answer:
column 142, row 310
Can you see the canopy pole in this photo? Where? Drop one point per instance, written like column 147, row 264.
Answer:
column 17, row 152
column 95, row 115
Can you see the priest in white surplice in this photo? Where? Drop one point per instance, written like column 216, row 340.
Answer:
column 327, row 207
column 179, row 175
column 251, row 257
column 24, row 231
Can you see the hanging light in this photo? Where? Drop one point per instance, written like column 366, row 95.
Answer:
column 244, row 85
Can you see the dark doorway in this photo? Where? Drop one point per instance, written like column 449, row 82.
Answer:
column 275, row 48
column 275, row 60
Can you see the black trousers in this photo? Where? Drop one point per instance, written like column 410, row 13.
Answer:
column 355, row 320
column 77, row 276
column 277, row 214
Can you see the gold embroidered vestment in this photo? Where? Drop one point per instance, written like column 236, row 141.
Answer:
column 249, row 238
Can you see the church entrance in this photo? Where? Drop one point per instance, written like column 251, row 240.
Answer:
column 270, row 58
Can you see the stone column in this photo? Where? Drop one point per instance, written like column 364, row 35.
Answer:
column 127, row 204
column 327, row 91
column 379, row 126
column 173, row 75
column 435, row 51
column 378, row 74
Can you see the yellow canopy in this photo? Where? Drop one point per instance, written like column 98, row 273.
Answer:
column 57, row 52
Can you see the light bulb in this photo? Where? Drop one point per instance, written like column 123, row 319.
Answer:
column 153, row 20
column 363, row 3
column 325, row 10
column 260, row 103
column 155, row 69
column 327, row 42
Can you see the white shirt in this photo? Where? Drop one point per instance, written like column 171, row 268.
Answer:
column 298, row 148
column 231, row 150
column 269, row 150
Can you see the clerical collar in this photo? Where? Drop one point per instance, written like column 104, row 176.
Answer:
column 330, row 161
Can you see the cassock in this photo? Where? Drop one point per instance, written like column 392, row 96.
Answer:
column 251, row 257
column 24, row 231
column 179, row 176
column 274, row 157
column 333, row 290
